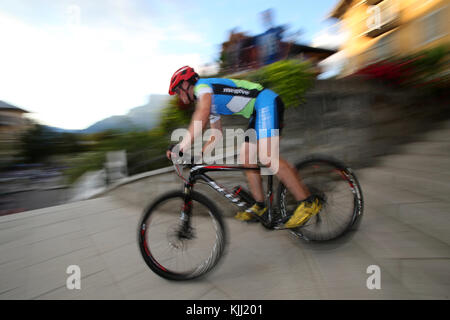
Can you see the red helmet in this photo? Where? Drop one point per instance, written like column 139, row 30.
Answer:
column 184, row 73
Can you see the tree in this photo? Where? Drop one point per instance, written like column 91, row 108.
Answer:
column 39, row 143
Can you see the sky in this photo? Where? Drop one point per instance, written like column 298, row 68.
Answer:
column 74, row 62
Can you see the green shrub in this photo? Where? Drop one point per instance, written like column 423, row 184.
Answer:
column 288, row 78
column 90, row 161
column 140, row 147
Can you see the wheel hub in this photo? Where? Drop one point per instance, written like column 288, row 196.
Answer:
column 178, row 236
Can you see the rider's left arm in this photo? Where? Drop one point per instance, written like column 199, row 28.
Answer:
column 201, row 114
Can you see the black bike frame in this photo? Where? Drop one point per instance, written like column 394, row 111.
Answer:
column 198, row 172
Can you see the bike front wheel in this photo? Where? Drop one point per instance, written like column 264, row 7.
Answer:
column 338, row 188
column 174, row 252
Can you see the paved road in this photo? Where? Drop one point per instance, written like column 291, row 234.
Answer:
column 405, row 231
column 99, row 235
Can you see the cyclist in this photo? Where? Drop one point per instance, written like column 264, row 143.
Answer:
column 215, row 97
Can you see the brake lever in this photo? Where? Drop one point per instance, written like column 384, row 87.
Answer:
column 181, row 161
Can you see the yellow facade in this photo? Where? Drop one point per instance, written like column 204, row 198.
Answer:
column 380, row 29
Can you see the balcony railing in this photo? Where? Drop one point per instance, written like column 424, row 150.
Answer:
column 383, row 17
column 375, row 32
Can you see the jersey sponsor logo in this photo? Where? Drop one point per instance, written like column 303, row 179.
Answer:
column 236, row 91
column 233, row 91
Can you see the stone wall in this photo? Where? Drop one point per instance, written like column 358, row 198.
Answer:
column 356, row 120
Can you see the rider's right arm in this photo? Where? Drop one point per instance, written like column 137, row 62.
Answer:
column 201, row 114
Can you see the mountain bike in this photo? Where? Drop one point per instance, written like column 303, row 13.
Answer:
column 182, row 234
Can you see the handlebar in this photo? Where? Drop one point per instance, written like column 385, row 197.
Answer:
column 183, row 162
column 179, row 162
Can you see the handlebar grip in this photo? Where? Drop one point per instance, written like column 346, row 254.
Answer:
column 170, row 148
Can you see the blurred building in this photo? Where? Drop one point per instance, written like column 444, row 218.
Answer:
column 12, row 125
column 238, row 52
column 314, row 55
column 243, row 52
column 379, row 29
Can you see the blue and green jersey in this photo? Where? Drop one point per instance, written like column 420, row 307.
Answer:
column 229, row 96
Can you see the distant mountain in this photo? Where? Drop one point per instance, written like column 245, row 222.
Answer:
column 60, row 130
column 144, row 117
column 140, row 118
column 122, row 123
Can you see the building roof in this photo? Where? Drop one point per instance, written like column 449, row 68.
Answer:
column 300, row 48
column 340, row 9
column 7, row 106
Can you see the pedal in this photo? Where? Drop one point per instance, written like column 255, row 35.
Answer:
column 264, row 219
column 279, row 225
column 257, row 218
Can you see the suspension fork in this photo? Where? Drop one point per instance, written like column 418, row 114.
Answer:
column 186, row 211
column 269, row 198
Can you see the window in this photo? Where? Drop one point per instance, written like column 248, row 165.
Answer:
column 382, row 18
column 432, row 26
column 8, row 121
column 383, row 48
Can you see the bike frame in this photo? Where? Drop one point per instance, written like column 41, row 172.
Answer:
column 198, row 172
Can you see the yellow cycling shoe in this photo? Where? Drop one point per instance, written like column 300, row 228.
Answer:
column 306, row 209
column 248, row 216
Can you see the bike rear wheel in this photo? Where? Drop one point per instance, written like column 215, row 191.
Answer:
column 340, row 192
column 174, row 253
